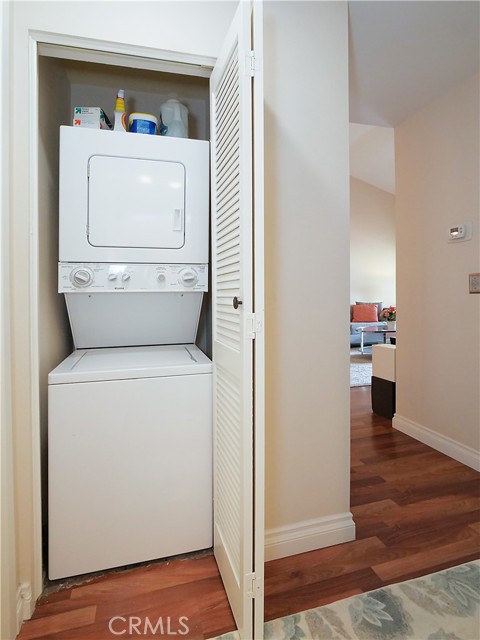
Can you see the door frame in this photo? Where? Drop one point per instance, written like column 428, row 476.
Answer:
column 42, row 43
column 9, row 625
column 259, row 310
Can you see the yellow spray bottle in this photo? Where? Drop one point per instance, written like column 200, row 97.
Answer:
column 120, row 123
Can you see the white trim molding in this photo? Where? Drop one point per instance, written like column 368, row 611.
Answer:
column 24, row 603
column 36, row 576
column 456, row 450
column 70, row 47
column 308, row 535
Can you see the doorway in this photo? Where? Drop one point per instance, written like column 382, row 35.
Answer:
column 372, row 242
column 61, row 72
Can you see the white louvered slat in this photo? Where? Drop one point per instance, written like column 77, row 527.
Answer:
column 229, row 167
column 229, row 127
column 226, row 222
column 228, row 258
column 228, row 151
column 227, row 173
column 227, row 119
column 228, row 197
column 226, row 213
column 227, row 328
column 228, row 185
column 229, row 79
column 230, row 232
column 232, row 170
column 228, row 465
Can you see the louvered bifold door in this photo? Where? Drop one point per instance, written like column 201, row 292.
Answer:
column 233, row 318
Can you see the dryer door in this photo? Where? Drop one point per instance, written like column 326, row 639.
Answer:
column 136, row 203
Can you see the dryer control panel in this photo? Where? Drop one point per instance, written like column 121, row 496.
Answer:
column 115, row 277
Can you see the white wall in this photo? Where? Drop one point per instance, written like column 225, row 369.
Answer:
column 307, row 276
column 438, row 351
column 196, row 28
column 372, row 244
column 190, row 27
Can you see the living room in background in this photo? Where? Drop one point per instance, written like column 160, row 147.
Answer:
column 372, row 224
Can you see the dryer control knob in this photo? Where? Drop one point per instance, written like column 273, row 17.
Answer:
column 112, row 276
column 125, row 277
column 81, row 277
column 188, row 277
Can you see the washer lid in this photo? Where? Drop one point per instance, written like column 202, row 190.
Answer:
column 125, row 363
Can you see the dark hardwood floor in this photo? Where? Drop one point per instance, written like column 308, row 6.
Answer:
column 416, row 511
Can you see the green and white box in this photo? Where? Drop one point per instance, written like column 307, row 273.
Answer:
column 90, row 117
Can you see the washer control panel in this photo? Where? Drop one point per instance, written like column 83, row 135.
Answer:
column 131, row 277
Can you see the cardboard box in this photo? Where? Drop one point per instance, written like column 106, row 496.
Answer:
column 90, row 117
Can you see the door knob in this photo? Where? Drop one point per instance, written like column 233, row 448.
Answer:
column 236, row 302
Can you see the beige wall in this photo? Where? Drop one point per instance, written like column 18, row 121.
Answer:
column 372, row 243
column 307, row 270
column 8, row 579
column 438, row 354
column 53, row 327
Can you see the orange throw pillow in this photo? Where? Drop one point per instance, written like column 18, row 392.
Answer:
column 365, row 313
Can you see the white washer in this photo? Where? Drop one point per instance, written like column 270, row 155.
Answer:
column 130, row 457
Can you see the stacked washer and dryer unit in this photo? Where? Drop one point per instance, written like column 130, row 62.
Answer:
column 130, row 410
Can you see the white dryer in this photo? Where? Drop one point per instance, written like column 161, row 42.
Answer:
column 130, row 457
column 127, row 197
column 133, row 240
column 122, row 304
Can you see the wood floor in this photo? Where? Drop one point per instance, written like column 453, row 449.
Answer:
column 416, row 511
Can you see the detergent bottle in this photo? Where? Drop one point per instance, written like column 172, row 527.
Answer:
column 120, row 123
column 174, row 119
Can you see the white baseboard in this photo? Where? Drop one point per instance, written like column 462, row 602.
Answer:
column 309, row 535
column 466, row 455
column 24, row 603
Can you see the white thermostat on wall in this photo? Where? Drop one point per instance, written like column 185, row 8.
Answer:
column 462, row 231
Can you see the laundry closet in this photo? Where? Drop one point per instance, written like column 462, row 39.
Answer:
column 84, row 496
column 151, row 448
column 130, row 464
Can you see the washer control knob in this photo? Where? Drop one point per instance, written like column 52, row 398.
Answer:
column 161, row 278
column 188, row 277
column 81, row 277
column 112, row 276
column 125, row 277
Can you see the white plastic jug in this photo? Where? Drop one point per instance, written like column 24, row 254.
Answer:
column 174, row 117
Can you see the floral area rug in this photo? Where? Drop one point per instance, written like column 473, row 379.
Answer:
column 439, row 606
column 360, row 368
